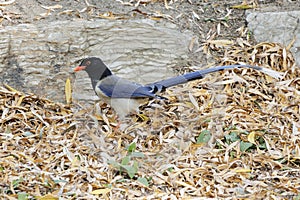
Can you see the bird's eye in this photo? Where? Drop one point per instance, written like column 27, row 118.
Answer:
column 88, row 62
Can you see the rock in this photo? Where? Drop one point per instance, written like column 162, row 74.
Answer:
column 40, row 58
column 273, row 26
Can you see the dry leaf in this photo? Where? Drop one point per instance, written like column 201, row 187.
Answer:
column 101, row 191
column 251, row 137
column 68, row 91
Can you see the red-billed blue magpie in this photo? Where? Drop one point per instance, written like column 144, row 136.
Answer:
column 126, row 96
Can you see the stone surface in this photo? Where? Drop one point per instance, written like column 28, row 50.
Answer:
column 40, row 58
column 269, row 25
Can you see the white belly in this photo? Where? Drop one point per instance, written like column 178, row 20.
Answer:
column 122, row 106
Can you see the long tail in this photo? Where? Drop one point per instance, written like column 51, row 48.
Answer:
column 162, row 85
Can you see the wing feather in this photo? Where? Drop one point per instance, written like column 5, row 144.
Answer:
column 116, row 87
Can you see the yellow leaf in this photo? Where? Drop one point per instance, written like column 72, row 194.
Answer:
column 101, row 191
column 243, row 170
column 156, row 18
column 11, row 88
column 243, row 6
column 143, row 117
column 47, row 197
column 20, row 101
column 68, row 91
column 251, row 137
column 290, row 45
column 200, row 92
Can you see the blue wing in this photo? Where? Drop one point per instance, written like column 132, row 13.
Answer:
column 116, row 87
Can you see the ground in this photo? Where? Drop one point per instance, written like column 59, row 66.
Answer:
column 235, row 135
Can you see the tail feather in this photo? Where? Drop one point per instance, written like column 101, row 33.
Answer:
column 162, row 85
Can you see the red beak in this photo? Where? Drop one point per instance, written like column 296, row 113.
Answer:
column 79, row 68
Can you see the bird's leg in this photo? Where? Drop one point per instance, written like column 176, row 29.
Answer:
column 107, row 117
column 117, row 123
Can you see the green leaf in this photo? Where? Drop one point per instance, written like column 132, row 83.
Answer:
column 8, row 130
column 136, row 165
column 22, row 196
column 230, row 128
column 204, row 137
column 232, row 154
column 137, row 155
column 108, row 185
column 125, row 160
column 114, row 164
column 143, row 181
column 131, row 148
column 244, row 146
column 232, row 137
column 262, row 143
column 16, row 182
column 170, row 169
column 131, row 170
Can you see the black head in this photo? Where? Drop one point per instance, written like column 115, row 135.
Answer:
column 95, row 68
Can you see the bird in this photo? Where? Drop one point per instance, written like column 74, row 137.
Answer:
column 125, row 96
